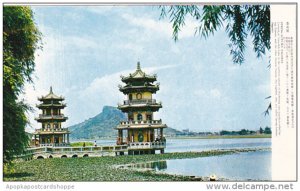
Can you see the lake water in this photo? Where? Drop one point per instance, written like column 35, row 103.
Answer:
column 241, row 166
column 182, row 145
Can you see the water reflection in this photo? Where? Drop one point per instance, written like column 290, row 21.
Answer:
column 157, row 165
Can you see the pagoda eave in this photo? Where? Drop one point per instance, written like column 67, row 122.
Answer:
column 145, row 79
column 140, row 107
column 51, row 119
column 51, row 132
column 51, row 99
column 43, row 106
column 141, row 126
column 133, row 89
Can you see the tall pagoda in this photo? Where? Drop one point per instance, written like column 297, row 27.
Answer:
column 140, row 132
column 51, row 133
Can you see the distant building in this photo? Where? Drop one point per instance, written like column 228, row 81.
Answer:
column 143, row 134
column 51, row 133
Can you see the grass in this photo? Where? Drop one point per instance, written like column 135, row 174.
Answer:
column 102, row 168
column 80, row 144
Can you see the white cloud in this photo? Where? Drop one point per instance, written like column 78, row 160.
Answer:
column 30, row 97
column 264, row 88
column 215, row 93
column 104, row 90
column 80, row 42
column 208, row 94
column 162, row 27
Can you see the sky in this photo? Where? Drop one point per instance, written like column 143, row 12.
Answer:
column 87, row 48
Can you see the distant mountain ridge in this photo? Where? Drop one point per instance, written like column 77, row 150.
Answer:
column 103, row 124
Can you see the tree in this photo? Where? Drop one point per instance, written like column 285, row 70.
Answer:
column 261, row 131
column 239, row 22
column 223, row 132
column 244, row 132
column 21, row 39
column 268, row 130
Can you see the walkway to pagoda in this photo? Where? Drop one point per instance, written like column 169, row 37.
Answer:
column 68, row 152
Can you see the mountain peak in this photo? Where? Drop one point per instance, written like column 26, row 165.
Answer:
column 102, row 125
column 108, row 109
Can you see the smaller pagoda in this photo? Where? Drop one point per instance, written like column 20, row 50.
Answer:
column 51, row 133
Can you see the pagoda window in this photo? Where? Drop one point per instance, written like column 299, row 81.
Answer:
column 48, row 125
column 130, row 97
column 138, row 96
column 139, row 117
column 130, row 117
column 149, row 117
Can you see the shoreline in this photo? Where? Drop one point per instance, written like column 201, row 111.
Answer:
column 263, row 136
column 104, row 168
column 224, row 137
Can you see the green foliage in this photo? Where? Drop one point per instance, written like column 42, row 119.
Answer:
column 20, row 41
column 9, row 168
column 244, row 132
column 268, row 130
column 80, row 144
column 239, row 22
column 261, row 131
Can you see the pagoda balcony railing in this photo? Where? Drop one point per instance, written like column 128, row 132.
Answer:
column 140, row 101
column 43, row 116
column 147, row 145
column 52, row 130
column 54, row 144
column 152, row 122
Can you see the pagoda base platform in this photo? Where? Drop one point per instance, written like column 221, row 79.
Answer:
column 144, row 151
column 141, row 148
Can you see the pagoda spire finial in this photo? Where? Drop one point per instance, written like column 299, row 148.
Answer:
column 51, row 90
column 138, row 66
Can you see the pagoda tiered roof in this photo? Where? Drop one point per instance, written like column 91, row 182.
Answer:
column 138, row 75
column 45, row 118
column 129, row 88
column 51, row 96
column 51, row 105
